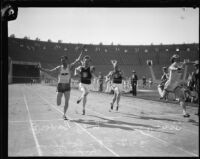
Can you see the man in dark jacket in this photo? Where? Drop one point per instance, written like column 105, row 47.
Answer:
column 134, row 79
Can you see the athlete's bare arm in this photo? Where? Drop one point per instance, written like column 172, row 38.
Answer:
column 108, row 76
column 56, row 69
column 76, row 61
column 77, row 71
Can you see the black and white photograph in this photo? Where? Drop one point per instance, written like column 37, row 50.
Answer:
column 103, row 82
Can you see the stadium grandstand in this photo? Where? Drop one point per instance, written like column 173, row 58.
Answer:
column 129, row 57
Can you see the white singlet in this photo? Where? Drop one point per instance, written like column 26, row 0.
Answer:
column 64, row 75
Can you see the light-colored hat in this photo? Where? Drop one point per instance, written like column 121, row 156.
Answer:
column 175, row 56
column 196, row 62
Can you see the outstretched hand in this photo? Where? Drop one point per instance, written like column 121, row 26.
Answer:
column 114, row 62
column 79, row 58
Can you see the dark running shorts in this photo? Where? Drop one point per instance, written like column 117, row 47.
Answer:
column 63, row 87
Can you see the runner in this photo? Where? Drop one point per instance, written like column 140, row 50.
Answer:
column 86, row 74
column 174, row 83
column 64, row 79
column 116, row 77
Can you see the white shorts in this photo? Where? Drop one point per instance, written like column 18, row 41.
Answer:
column 117, row 87
column 85, row 87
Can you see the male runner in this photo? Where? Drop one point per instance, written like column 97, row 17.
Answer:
column 164, row 79
column 174, row 82
column 64, row 79
column 86, row 74
column 116, row 77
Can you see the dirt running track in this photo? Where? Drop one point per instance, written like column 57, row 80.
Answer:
column 140, row 127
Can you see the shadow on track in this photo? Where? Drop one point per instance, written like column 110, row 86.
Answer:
column 109, row 123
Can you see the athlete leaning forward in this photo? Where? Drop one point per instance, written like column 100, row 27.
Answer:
column 116, row 77
column 175, row 84
column 64, row 72
column 85, row 72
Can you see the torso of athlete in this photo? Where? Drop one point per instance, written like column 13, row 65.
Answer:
column 86, row 74
column 175, row 75
column 64, row 75
column 116, row 76
column 174, row 79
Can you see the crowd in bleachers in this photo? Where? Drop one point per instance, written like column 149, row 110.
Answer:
column 129, row 57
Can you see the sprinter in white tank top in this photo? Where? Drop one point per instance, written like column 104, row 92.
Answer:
column 175, row 83
column 64, row 79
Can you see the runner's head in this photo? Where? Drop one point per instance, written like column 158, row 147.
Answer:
column 86, row 60
column 64, row 60
column 115, row 65
column 165, row 69
column 196, row 64
column 175, row 58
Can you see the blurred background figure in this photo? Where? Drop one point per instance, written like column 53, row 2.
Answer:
column 150, row 82
column 100, row 82
column 134, row 79
column 144, row 81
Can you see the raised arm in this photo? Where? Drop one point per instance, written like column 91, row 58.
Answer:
column 78, row 59
column 77, row 71
column 108, row 76
column 48, row 70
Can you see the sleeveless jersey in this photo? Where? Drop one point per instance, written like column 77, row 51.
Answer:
column 86, row 75
column 117, row 77
column 64, row 75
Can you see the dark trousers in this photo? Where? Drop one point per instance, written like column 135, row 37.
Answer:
column 134, row 91
column 100, row 87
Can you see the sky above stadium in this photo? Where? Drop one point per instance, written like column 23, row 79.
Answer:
column 125, row 26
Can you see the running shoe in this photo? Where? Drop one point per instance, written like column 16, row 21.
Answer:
column 64, row 117
column 78, row 101
column 186, row 115
column 117, row 108
column 83, row 112
column 111, row 107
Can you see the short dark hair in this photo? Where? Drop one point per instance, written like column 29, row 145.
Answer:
column 87, row 57
column 64, row 57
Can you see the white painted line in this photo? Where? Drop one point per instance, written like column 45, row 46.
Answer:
column 158, row 139
column 144, row 133
column 196, row 133
column 17, row 121
column 96, row 139
column 67, row 123
column 34, row 135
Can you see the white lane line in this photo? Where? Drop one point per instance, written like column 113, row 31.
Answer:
column 67, row 123
column 147, row 134
column 144, row 133
column 18, row 121
column 31, row 123
column 96, row 139
column 196, row 133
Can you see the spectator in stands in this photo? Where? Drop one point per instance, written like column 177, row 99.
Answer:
column 100, row 82
column 116, row 77
column 64, row 72
column 150, row 82
column 86, row 73
column 174, row 83
column 144, row 80
column 134, row 79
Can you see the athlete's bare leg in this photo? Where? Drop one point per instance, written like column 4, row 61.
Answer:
column 59, row 97
column 67, row 96
column 118, row 99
